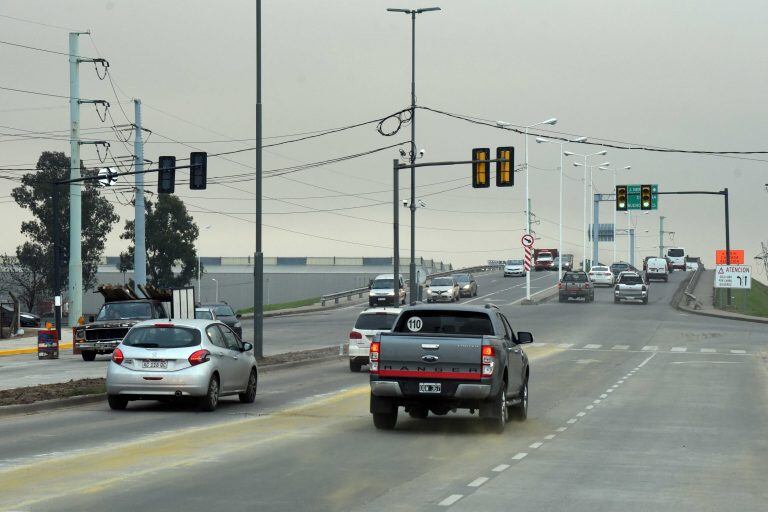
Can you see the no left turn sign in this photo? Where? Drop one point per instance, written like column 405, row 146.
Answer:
column 527, row 240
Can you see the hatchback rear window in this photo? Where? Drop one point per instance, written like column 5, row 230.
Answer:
column 676, row 253
column 162, row 337
column 446, row 322
column 600, row 269
column 375, row 321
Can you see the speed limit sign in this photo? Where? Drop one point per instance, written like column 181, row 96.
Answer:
column 527, row 240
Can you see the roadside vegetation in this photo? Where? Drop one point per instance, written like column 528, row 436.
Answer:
column 754, row 302
column 28, row 395
column 283, row 305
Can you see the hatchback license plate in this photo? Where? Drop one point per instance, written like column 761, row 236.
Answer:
column 429, row 387
column 155, row 364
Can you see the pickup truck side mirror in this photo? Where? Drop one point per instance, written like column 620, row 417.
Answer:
column 524, row 337
column 238, row 316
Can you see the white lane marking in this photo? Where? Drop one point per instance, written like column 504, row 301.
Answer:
column 538, row 344
column 590, row 407
column 572, row 421
column 581, row 414
column 535, row 445
column 596, row 401
column 562, row 429
column 646, row 361
column 477, row 482
column 738, row 351
column 549, row 437
column 450, row 500
column 565, row 345
column 706, row 362
column 614, row 386
column 592, row 346
column 620, row 347
column 708, row 351
column 500, row 468
column 519, row 456
column 620, row 381
column 494, row 281
column 481, row 297
column 679, row 349
column 650, row 347
column 609, row 391
column 603, row 396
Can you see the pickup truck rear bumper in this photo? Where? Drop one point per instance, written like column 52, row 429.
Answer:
column 385, row 388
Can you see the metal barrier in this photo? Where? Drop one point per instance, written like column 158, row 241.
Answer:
column 360, row 291
column 691, row 299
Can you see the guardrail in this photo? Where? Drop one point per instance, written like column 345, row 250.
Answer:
column 691, row 299
column 335, row 297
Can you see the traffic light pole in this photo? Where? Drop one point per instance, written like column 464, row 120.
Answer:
column 396, row 226
column 258, row 260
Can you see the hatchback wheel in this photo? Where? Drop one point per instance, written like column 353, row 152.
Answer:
column 117, row 402
column 249, row 396
column 211, row 399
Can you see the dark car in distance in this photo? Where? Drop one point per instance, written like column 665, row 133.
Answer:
column 226, row 315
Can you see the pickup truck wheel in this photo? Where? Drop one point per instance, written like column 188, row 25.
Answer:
column 355, row 366
column 88, row 355
column 500, row 406
column 418, row 413
column 385, row 420
column 616, row 300
column 249, row 396
column 117, row 402
column 209, row 402
column 519, row 412
column 645, row 301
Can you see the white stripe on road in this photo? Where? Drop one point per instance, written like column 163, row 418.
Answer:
column 592, row 346
column 738, row 351
column 646, row 361
column 536, row 445
column 572, row 421
column 650, row 347
column 519, row 456
column 708, row 351
column 565, row 345
column 477, row 482
column 678, row 349
column 549, row 437
column 450, row 500
column 581, row 414
column 562, row 429
column 620, row 347
column 590, row 407
column 603, row 396
column 500, row 468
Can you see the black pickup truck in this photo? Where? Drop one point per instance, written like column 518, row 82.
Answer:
column 444, row 358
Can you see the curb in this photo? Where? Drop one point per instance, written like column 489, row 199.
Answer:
column 59, row 403
column 677, row 300
column 541, row 300
column 30, row 350
column 292, row 312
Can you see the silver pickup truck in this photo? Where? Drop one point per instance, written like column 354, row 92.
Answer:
column 444, row 358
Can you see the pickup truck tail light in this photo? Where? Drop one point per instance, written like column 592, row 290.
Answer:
column 117, row 356
column 354, row 335
column 586, row 285
column 488, row 359
column 559, row 285
column 374, row 357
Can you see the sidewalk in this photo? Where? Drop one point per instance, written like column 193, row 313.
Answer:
column 704, row 293
column 28, row 344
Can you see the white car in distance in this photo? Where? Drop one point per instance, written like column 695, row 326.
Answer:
column 369, row 323
column 601, row 275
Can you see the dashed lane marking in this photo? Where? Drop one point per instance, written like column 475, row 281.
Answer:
column 591, row 346
column 477, row 482
column 500, row 468
column 650, row 347
column 550, row 437
column 519, row 456
column 562, row 429
column 603, row 396
column 536, row 445
column 738, row 351
column 572, row 421
column 450, row 500
column 620, row 347
column 581, row 414
column 708, row 351
column 565, row 345
column 678, row 349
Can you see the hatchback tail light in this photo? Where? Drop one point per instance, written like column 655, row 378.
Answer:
column 374, row 356
column 354, row 335
column 117, row 356
column 199, row 357
column 488, row 360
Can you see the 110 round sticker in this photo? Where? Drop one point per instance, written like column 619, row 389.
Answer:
column 415, row 324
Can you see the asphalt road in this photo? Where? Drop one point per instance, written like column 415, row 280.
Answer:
column 282, row 334
column 633, row 407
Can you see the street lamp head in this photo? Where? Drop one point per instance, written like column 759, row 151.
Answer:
column 603, row 168
column 542, row 139
column 605, row 164
column 502, row 124
column 568, row 153
column 406, row 11
column 551, row 121
column 577, row 164
column 427, row 9
column 627, row 167
column 603, row 152
column 580, row 139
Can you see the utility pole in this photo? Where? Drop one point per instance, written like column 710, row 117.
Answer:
column 396, row 227
column 632, row 246
column 139, row 239
column 661, row 236
column 56, row 262
column 595, row 230
column 75, row 206
column 258, row 259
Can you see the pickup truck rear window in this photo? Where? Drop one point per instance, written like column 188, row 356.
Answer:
column 575, row 278
column 375, row 321
column 469, row 323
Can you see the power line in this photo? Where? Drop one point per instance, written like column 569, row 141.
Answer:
column 45, row 50
column 23, row 20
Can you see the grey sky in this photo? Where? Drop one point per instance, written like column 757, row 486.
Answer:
column 675, row 74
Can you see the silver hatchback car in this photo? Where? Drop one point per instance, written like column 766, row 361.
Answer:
column 201, row 359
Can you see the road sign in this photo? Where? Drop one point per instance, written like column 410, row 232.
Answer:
column 733, row 276
column 527, row 240
column 107, row 176
column 528, row 258
column 737, row 257
column 633, row 197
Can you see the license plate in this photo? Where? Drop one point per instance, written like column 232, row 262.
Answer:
column 429, row 387
column 155, row 364
column 381, row 299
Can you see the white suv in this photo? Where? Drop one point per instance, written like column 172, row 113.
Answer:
column 370, row 323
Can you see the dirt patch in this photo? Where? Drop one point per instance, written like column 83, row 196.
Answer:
column 41, row 392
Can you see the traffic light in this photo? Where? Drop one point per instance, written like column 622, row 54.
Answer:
column 480, row 169
column 645, row 197
column 621, row 198
column 166, row 176
column 198, row 170
column 505, row 171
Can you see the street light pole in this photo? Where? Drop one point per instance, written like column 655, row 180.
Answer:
column 413, row 12
column 584, row 238
column 258, row 257
column 217, row 288
column 560, row 222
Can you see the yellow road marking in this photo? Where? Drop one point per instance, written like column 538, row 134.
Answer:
column 30, row 350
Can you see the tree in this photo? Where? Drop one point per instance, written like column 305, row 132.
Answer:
column 27, row 280
column 35, row 194
column 170, row 241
